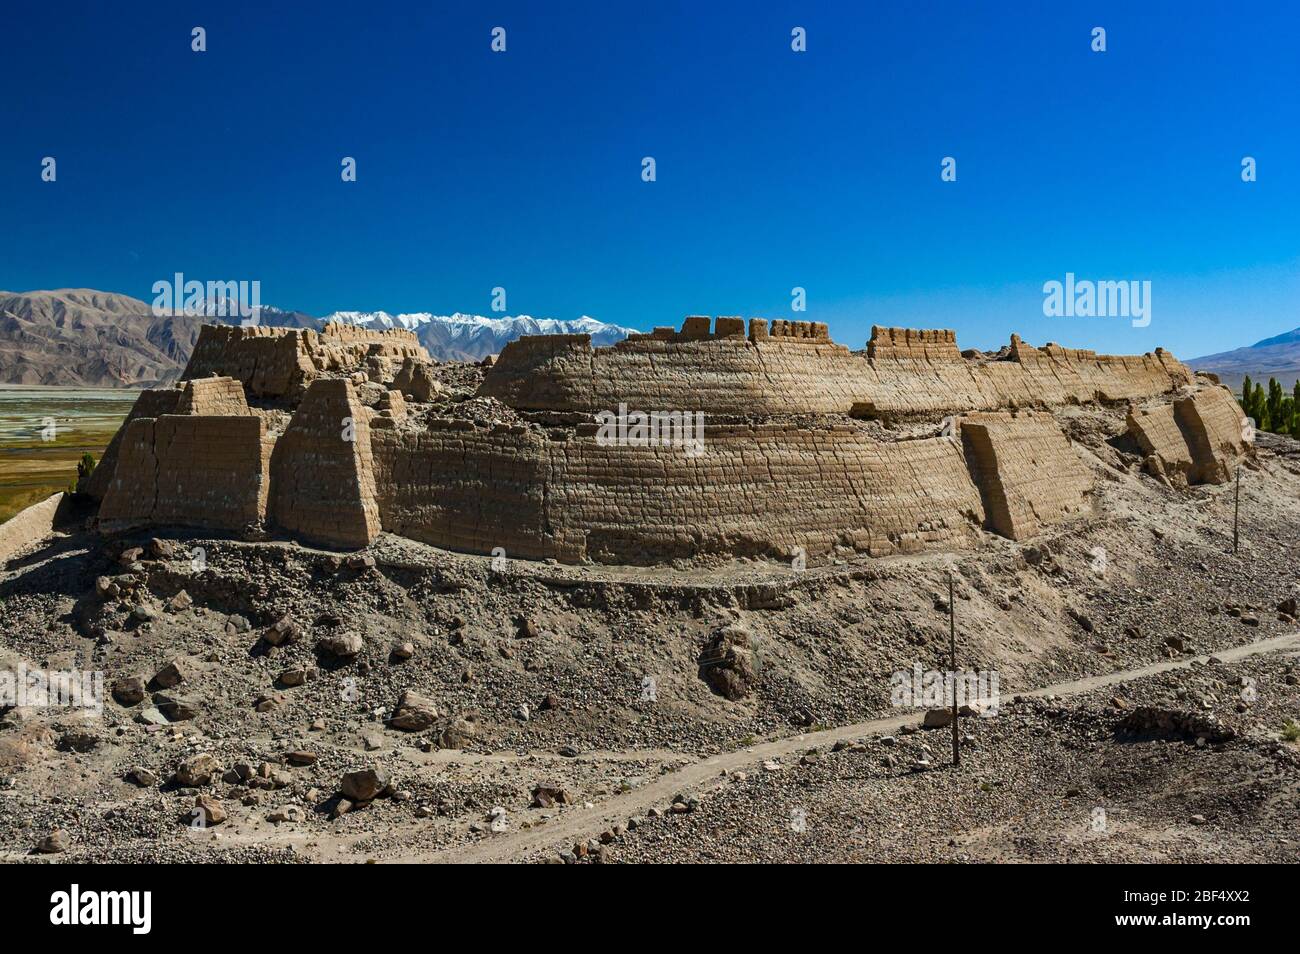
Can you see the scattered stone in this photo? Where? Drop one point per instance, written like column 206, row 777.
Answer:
column 208, row 811
column 151, row 716
column 282, row 632
column 268, row 702
column 142, row 777
column 414, row 713
column 170, row 675
column 55, row 842
column 364, row 785
column 144, row 613
column 937, row 718
column 178, row 603
column 197, row 770
column 342, row 645
column 727, row 664
column 176, row 707
column 160, row 549
column 300, row 757
column 128, row 690
column 360, row 561
column 461, row 733
column 548, row 796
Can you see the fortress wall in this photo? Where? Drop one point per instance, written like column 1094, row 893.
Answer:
column 1212, row 421
column 909, row 344
column 760, row 490
column 466, row 489
column 270, row 362
column 1162, row 441
column 1197, row 439
column 281, row 362
column 322, row 473
column 1028, row 474
column 794, row 368
column 209, row 471
column 152, row 403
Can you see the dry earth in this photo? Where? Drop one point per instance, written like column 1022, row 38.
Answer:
column 586, row 682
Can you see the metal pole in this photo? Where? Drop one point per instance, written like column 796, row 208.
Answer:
column 1236, row 512
column 952, row 647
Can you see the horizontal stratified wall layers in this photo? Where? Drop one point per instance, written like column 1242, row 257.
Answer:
column 905, row 372
column 756, row 490
column 1028, row 474
column 1197, row 439
column 196, row 471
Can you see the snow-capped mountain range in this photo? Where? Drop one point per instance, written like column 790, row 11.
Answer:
column 462, row 337
column 456, row 337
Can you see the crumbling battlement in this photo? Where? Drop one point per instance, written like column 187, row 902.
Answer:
column 795, row 368
column 902, row 344
column 1196, row 440
column 219, row 396
column 281, row 362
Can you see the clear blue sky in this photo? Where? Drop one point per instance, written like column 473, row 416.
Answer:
column 775, row 169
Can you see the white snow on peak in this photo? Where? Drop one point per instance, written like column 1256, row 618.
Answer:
column 462, row 336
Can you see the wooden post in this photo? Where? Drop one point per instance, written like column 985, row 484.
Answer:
column 952, row 647
column 1236, row 512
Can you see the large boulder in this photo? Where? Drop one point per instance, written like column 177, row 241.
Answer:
column 414, row 712
column 197, row 770
column 364, row 785
column 727, row 662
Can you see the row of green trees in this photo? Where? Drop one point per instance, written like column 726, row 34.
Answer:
column 1273, row 410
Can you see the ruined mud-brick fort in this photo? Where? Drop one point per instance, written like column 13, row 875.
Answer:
column 333, row 437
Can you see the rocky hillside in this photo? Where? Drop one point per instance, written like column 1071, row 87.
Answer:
column 1276, row 357
column 83, row 337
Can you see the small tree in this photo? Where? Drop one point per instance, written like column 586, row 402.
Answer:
column 85, row 466
column 1275, row 414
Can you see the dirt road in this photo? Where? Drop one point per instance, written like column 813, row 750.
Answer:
column 579, row 823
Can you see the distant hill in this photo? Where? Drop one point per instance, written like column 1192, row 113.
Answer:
column 83, row 337
column 79, row 337
column 1276, row 357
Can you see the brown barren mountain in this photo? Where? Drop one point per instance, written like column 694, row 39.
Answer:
column 1276, row 357
column 82, row 337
